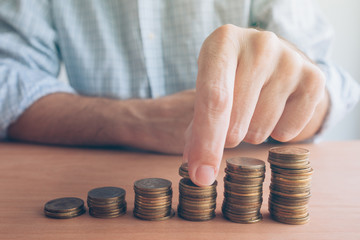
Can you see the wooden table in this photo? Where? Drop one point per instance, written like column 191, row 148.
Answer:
column 30, row 175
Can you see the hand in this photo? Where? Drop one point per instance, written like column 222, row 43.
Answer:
column 250, row 85
column 167, row 119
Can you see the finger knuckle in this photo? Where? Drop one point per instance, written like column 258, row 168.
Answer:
column 283, row 136
column 234, row 137
column 317, row 76
column 265, row 41
column 226, row 30
column 291, row 62
column 222, row 36
column 314, row 83
column 255, row 137
column 264, row 45
column 221, row 40
column 217, row 101
column 232, row 141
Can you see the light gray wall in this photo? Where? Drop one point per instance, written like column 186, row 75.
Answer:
column 345, row 18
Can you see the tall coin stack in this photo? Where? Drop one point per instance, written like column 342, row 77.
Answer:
column 195, row 203
column 290, row 184
column 243, row 186
column 153, row 199
column 106, row 202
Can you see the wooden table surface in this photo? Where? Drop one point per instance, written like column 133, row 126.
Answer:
column 30, row 175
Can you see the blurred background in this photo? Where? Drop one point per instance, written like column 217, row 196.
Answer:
column 345, row 18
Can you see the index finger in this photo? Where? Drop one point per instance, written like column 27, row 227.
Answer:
column 213, row 103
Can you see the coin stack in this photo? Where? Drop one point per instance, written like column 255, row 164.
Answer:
column 68, row 207
column 195, row 203
column 106, row 202
column 290, row 184
column 183, row 171
column 153, row 199
column 243, row 185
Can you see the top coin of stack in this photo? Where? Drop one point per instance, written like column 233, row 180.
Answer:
column 183, row 171
column 290, row 184
column 243, row 189
column 68, row 207
column 153, row 199
column 195, row 203
column 106, row 202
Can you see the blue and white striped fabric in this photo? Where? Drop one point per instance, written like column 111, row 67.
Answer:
column 140, row 48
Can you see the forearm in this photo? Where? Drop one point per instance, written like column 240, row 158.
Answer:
column 74, row 120
column 68, row 119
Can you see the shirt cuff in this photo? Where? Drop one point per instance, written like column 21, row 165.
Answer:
column 344, row 93
column 39, row 90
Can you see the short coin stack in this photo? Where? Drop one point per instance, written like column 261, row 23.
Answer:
column 106, row 202
column 183, row 171
column 243, row 189
column 153, row 199
column 290, row 184
column 68, row 207
column 195, row 203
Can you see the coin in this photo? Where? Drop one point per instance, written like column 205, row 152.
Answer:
column 245, row 163
column 243, row 185
column 152, row 184
column 239, row 219
column 67, row 204
column 153, row 199
column 183, row 170
column 165, row 216
column 291, row 175
column 106, row 194
column 289, row 152
column 195, row 203
column 65, row 215
column 106, row 202
column 67, row 207
column 289, row 220
column 102, row 214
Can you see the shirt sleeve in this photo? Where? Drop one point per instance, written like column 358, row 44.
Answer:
column 29, row 58
column 301, row 23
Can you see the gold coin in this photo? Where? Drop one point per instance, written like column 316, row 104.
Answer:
column 290, row 166
column 183, row 170
column 289, row 152
column 304, row 171
column 106, row 194
column 106, row 202
column 152, row 185
column 289, row 220
column 189, row 184
column 290, row 184
column 160, row 217
column 153, row 199
column 196, row 203
column 245, row 163
column 194, row 217
column 235, row 218
column 64, row 215
column 63, row 205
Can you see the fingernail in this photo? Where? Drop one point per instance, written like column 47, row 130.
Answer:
column 205, row 175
